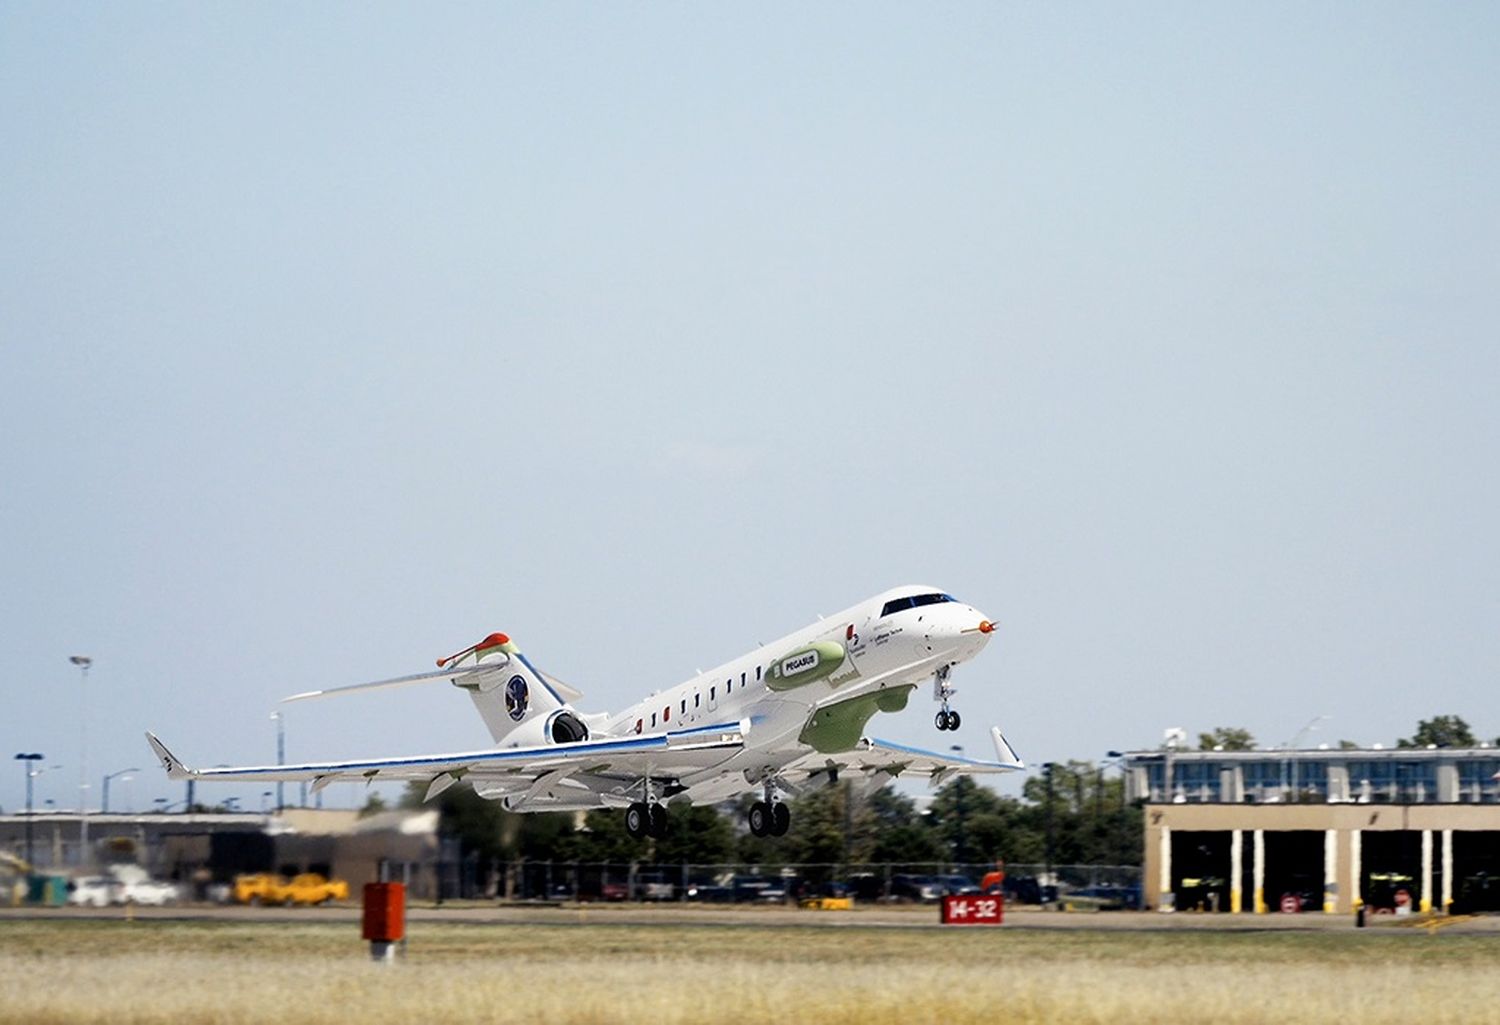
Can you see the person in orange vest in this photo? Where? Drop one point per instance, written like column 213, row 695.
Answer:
column 994, row 882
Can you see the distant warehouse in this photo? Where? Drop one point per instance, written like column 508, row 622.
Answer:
column 1402, row 830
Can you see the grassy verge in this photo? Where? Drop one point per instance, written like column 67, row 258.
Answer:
column 231, row 973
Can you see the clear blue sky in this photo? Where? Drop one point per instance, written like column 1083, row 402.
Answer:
column 333, row 338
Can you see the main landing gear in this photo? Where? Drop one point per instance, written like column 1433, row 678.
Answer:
column 770, row 817
column 943, row 690
column 646, row 818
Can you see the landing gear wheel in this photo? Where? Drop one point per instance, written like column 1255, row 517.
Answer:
column 781, row 819
column 657, row 826
column 760, row 819
column 941, row 719
column 953, row 720
column 637, row 820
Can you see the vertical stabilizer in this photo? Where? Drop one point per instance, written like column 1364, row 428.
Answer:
column 517, row 703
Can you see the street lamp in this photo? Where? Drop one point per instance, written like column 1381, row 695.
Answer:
column 960, row 848
column 1291, row 747
column 28, row 760
column 1111, row 834
column 83, row 662
column 280, row 756
column 122, row 774
column 1047, row 767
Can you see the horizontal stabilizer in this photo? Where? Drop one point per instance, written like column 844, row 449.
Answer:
column 399, row 681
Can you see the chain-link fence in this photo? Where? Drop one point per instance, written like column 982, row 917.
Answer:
column 925, row 882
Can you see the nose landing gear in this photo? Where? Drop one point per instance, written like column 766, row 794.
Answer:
column 942, row 691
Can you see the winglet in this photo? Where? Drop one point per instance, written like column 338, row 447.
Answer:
column 1003, row 751
column 169, row 761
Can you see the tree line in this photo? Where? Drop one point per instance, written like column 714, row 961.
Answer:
column 1074, row 811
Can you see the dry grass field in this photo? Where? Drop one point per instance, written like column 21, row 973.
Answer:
column 231, row 973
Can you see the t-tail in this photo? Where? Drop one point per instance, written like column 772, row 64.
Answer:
column 520, row 705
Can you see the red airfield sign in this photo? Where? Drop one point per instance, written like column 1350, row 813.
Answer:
column 973, row 910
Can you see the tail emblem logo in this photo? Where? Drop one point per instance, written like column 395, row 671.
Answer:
column 516, row 694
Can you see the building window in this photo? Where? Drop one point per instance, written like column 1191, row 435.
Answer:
column 1477, row 782
column 1197, row 781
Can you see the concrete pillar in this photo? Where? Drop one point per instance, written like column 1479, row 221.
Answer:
column 1259, row 870
column 1236, row 870
column 1330, row 869
column 1164, row 879
column 1447, row 869
column 1356, row 869
column 1447, row 782
column 1426, row 904
column 1338, row 783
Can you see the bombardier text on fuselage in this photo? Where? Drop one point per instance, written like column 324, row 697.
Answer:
column 789, row 716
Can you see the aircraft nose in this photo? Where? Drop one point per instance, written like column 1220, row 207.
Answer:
column 979, row 623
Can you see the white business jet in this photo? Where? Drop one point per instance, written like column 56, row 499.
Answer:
column 788, row 717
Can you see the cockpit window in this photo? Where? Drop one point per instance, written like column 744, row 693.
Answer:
column 901, row 604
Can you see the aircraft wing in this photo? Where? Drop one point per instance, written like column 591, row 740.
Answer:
column 873, row 763
column 591, row 773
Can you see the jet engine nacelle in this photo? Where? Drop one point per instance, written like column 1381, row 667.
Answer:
column 561, row 726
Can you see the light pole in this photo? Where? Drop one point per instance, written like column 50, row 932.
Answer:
column 960, row 848
column 1312, row 724
column 83, row 662
column 280, row 756
column 28, row 760
column 122, row 774
column 1112, row 834
column 1047, row 767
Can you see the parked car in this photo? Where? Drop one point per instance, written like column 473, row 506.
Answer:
column 917, row 888
column 150, row 892
column 1103, row 898
column 759, row 889
column 93, row 891
column 956, row 885
column 653, row 886
column 310, row 888
column 256, row 888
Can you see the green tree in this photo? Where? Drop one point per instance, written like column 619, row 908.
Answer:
column 1226, row 738
column 1441, row 731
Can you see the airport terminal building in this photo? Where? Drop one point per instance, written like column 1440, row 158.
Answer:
column 1333, row 830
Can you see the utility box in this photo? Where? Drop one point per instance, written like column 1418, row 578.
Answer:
column 385, row 912
column 47, row 890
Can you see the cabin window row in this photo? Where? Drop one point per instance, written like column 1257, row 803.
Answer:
column 666, row 713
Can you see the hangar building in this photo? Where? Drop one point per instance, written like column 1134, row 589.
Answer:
column 1331, row 830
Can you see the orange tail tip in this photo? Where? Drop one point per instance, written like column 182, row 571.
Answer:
column 494, row 640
